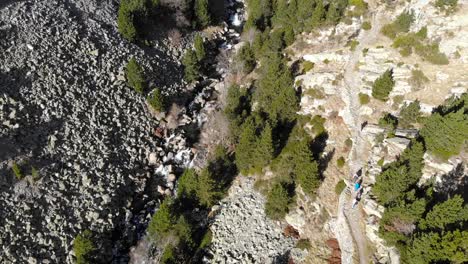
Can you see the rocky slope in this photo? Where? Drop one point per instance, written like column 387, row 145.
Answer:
column 67, row 113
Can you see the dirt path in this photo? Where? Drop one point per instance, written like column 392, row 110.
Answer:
column 352, row 83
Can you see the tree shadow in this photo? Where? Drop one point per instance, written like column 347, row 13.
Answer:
column 455, row 182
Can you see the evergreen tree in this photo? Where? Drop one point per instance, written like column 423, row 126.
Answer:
column 318, row 15
column 288, row 35
column 199, row 48
column 264, row 148
column 246, row 146
column 187, row 184
column 246, row 55
column 83, row 246
column 275, row 93
column 448, row 212
column 202, row 13
column 439, row 248
column 383, row 86
column 156, row 100
column 276, row 206
column 409, row 114
column 125, row 23
column 280, row 13
column 257, row 45
column 135, row 77
column 191, row 67
column 445, row 135
column 208, row 191
column 162, row 221
column 333, row 16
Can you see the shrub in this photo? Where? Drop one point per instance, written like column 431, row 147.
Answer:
column 191, row 66
column 418, row 79
column 17, row 171
column 402, row 24
column 35, row 174
column 83, row 246
column 307, row 66
column 303, row 244
column 364, row 98
column 380, row 162
column 340, row 162
column 135, row 77
column 156, row 100
column 383, row 86
column 199, row 48
column 348, row 143
column 317, row 123
column 353, row 44
column 276, row 206
column 366, row 25
column 340, row 186
column 449, row 6
column 202, row 14
column 432, row 54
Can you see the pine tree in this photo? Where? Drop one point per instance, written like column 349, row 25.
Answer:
column 318, row 15
column 192, row 69
column 162, row 221
column 383, row 86
column 125, row 23
column 332, row 14
column 280, row 17
column 187, row 184
column 83, row 246
column 288, row 35
column 264, row 148
column 199, row 48
column 276, row 206
column 448, row 212
column 202, row 13
column 409, row 114
column 135, row 77
column 445, row 135
column 246, row 146
column 156, row 100
column 275, row 93
column 246, row 55
column 208, row 191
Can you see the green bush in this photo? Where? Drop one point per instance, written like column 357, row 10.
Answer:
column 383, row 86
column 340, row 162
column 307, row 66
column 448, row 6
column 348, row 143
column 366, row 25
column 156, row 100
column 353, row 44
column 303, row 244
column 432, row 54
column 277, row 204
column 17, row 171
column 364, row 98
column 380, row 162
column 199, row 48
column 135, row 77
column 402, row 24
column 418, row 79
column 339, row 187
column 35, row 174
column 84, row 247
column 191, row 66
